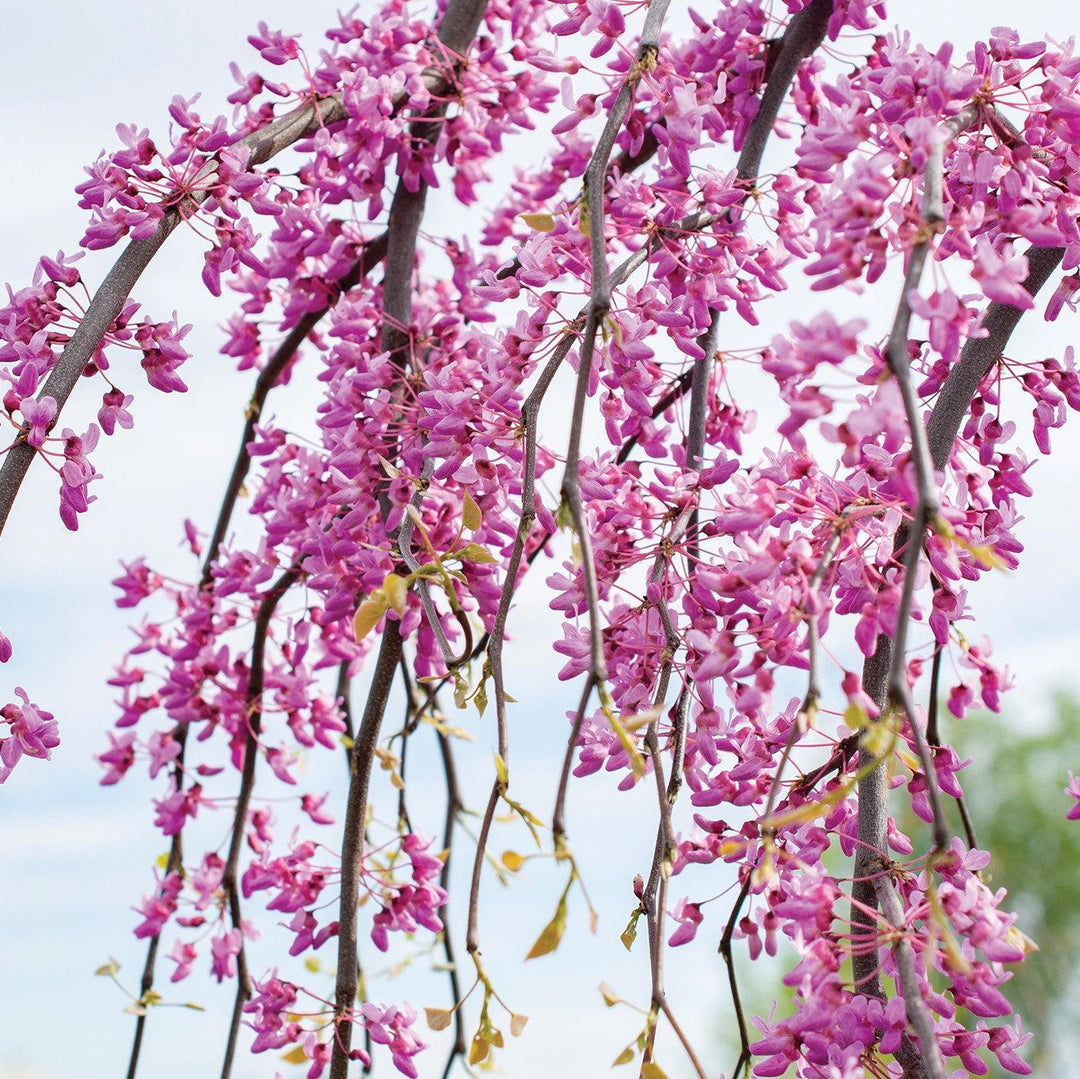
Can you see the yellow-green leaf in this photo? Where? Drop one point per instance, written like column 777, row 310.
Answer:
column 391, row 470
column 517, row 1023
column 624, row 1057
column 611, row 998
column 552, row 933
column 480, row 697
column 471, row 517
column 539, row 222
column 478, row 1051
column 295, row 1055
column 109, row 969
column 473, row 552
column 512, row 860
column 855, row 716
column 652, row 1070
column 396, row 589
column 368, row 615
column 495, row 1037
column 438, row 1018
column 313, row 964
column 163, row 860
column 461, row 690
column 629, row 934
column 500, row 770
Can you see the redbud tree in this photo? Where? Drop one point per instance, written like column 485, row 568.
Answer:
column 557, row 385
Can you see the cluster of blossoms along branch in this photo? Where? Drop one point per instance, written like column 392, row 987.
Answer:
column 744, row 512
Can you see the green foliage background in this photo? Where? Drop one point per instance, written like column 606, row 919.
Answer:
column 1014, row 790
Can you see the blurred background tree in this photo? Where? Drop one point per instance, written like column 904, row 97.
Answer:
column 1014, row 793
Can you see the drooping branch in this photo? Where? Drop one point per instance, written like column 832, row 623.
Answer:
column 454, row 805
column 256, row 681
column 372, row 254
column 953, row 402
column 804, row 34
column 363, row 753
column 457, row 28
column 108, row 301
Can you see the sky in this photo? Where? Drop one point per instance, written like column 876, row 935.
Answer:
column 76, row 856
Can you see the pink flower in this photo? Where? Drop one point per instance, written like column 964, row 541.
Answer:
column 1073, row 791
column 33, row 732
column 225, row 948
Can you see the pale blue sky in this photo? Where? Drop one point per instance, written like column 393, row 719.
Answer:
column 76, row 856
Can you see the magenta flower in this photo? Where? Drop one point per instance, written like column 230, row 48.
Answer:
column 33, row 732
column 38, row 416
column 1073, row 791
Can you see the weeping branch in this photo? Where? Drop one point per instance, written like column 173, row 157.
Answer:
column 243, row 800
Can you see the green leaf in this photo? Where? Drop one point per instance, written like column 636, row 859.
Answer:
column 461, row 690
column 471, row 517
column 625, row 1057
column 629, row 934
column 500, row 770
column 480, row 697
column 855, row 716
column 391, row 470
column 108, row 970
column 652, row 1070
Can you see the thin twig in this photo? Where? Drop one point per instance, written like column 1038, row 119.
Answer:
column 454, row 805
column 733, row 981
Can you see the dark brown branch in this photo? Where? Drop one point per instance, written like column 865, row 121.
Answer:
column 373, row 253
column 804, row 34
column 733, row 981
column 976, row 360
column 352, row 852
column 457, row 28
column 109, row 299
column 256, row 681
column 980, row 354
